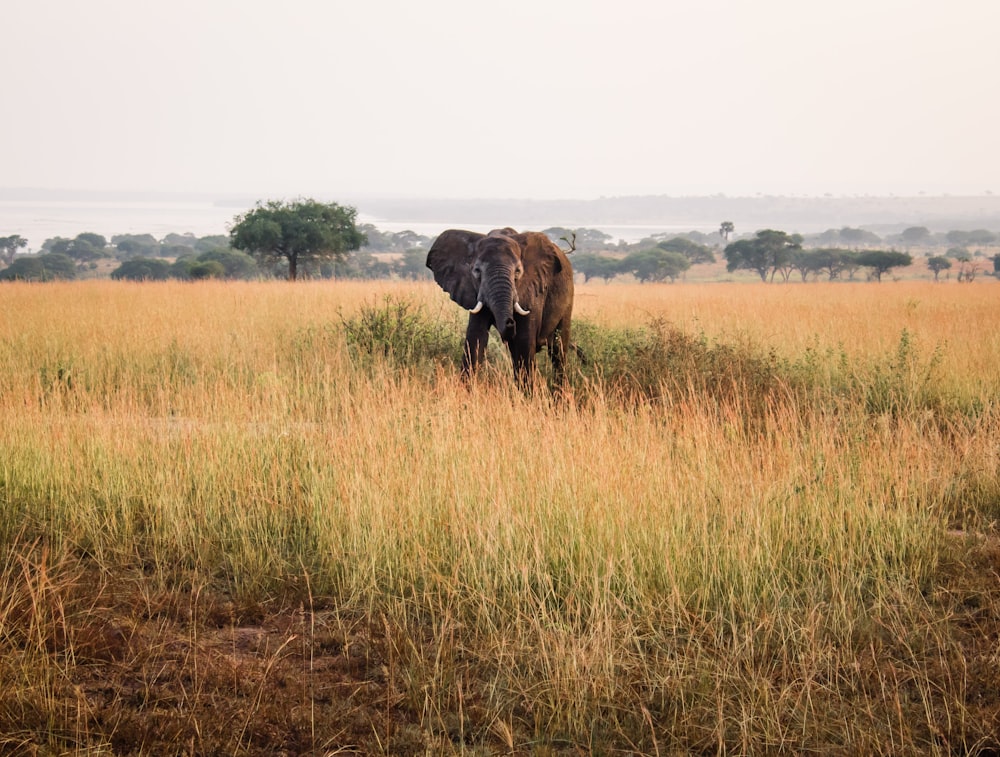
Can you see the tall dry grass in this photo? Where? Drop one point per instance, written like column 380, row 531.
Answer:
column 612, row 569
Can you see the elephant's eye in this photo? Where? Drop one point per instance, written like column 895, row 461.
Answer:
column 477, row 271
column 518, row 272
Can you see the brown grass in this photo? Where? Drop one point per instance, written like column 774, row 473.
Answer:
column 232, row 527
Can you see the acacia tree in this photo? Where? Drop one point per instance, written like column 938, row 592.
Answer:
column 86, row 247
column 882, row 262
column 594, row 266
column 805, row 262
column 655, row 265
column 297, row 231
column 915, row 235
column 9, row 247
column 768, row 252
column 829, row 260
column 937, row 264
column 47, row 267
column 412, row 265
column 694, row 252
column 858, row 237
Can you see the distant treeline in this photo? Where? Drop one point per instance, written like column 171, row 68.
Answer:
column 773, row 255
column 761, row 211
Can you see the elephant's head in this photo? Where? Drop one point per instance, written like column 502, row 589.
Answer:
column 481, row 271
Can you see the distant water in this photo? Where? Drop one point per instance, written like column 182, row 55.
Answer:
column 38, row 220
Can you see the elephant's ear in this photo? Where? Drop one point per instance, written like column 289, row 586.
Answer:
column 450, row 258
column 541, row 257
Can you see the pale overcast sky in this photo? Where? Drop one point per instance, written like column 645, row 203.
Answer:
column 520, row 98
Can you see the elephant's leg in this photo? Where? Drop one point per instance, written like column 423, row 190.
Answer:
column 477, row 337
column 522, row 353
column 557, row 352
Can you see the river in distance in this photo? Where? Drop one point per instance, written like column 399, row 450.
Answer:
column 42, row 219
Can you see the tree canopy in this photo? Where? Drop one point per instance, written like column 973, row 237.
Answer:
column 297, row 231
column 46, row 267
column 9, row 247
column 767, row 252
column 582, row 239
column 393, row 241
column 858, row 236
column 938, row 263
column 694, row 252
column 915, row 234
column 592, row 265
column 142, row 269
column 974, row 237
column 882, row 262
column 218, row 263
column 655, row 264
column 136, row 245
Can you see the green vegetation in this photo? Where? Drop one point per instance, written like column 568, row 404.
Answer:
column 664, row 260
column 9, row 247
column 938, row 263
column 765, row 254
column 835, row 254
column 143, row 269
column 297, row 231
column 655, row 265
column 51, row 266
column 584, row 240
column 393, row 241
column 251, row 519
column 881, row 262
column 591, row 265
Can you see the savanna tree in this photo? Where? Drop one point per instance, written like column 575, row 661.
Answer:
column 592, row 265
column 881, row 261
column 915, row 235
column 830, row 260
column 766, row 253
column 694, row 252
column 9, row 247
column 655, row 264
column 937, row 264
column 300, row 231
column 46, row 267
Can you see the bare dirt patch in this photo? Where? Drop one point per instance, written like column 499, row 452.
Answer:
column 98, row 662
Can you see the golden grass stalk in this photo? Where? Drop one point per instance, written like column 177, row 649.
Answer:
column 663, row 567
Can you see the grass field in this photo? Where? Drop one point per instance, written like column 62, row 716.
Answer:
column 269, row 518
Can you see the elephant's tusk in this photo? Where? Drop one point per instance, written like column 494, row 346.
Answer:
column 519, row 310
column 477, row 308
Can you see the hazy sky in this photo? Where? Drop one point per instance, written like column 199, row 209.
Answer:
column 520, row 98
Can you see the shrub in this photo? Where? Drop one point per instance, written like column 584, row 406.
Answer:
column 47, row 267
column 142, row 269
column 403, row 333
column 661, row 362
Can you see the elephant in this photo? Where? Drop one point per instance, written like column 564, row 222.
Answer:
column 521, row 283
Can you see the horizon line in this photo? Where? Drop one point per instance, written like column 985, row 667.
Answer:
column 7, row 193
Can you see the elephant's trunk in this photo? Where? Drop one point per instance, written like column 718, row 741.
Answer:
column 499, row 294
